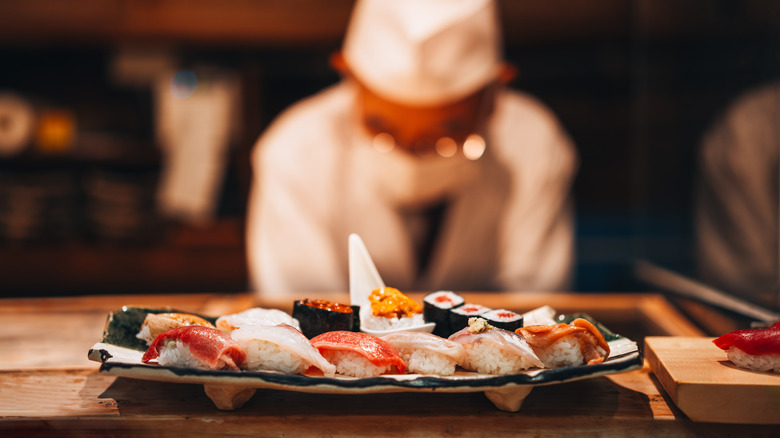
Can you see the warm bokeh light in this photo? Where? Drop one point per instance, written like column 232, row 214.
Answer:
column 383, row 143
column 446, row 147
column 474, row 147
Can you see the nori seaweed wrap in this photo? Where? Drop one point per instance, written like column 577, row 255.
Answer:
column 459, row 316
column 436, row 308
column 320, row 316
column 504, row 319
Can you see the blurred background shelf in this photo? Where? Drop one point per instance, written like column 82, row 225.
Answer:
column 181, row 259
column 635, row 83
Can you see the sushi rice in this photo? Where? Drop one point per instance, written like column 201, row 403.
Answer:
column 176, row 353
column 368, row 320
column 564, row 353
column 762, row 362
column 428, row 362
column 350, row 363
column 264, row 355
column 487, row 359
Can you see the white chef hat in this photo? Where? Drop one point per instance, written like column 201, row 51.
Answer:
column 423, row 52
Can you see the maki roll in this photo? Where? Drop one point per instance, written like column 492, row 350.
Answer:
column 436, row 308
column 504, row 319
column 459, row 316
column 320, row 316
column 195, row 346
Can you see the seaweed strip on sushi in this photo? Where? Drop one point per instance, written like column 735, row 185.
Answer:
column 436, row 308
column 319, row 316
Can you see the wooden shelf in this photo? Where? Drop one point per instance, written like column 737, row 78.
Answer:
column 185, row 260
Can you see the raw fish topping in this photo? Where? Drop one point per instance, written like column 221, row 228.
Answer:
column 426, row 341
column 589, row 337
column 502, row 339
column 287, row 338
column 374, row 349
column 210, row 345
column 752, row 341
column 390, row 302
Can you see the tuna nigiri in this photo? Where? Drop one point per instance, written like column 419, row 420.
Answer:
column 491, row 350
column 195, row 347
column 426, row 353
column 754, row 349
column 358, row 354
column 279, row 348
column 564, row 345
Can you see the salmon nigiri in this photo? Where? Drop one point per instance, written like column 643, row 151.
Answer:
column 195, row 346
column 358, row 354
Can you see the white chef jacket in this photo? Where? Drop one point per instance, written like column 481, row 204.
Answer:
column 510, row 228
column 738, row 199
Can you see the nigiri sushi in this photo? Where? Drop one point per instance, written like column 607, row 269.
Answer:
column 195, row 346
column 491, row 350
column 564, row 345
column 256, row 316
column 426, row 353
column 753, row 349
column 156, row 323
column 358, row 354
column 279, row 348
column 390, row 309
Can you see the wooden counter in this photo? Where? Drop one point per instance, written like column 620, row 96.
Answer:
column 48, row 387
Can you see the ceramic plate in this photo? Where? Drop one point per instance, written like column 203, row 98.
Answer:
column 120, row 353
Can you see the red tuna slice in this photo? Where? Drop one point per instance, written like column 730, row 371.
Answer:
column 752, row 341
column 374, row 349
column 208, row 344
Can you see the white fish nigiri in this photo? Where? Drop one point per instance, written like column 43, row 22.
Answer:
column 256, row 316
column 279, row 348
column 426, row 353
column 491, row 350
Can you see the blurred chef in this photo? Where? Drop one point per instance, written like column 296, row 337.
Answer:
column 737, row 216
column 452, row 180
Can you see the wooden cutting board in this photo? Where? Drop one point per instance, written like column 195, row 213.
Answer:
column 707, row 387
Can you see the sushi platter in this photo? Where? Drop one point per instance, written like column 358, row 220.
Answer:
column 120, row 353
column 383, row 341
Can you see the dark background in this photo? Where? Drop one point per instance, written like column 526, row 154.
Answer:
column 635, row 83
